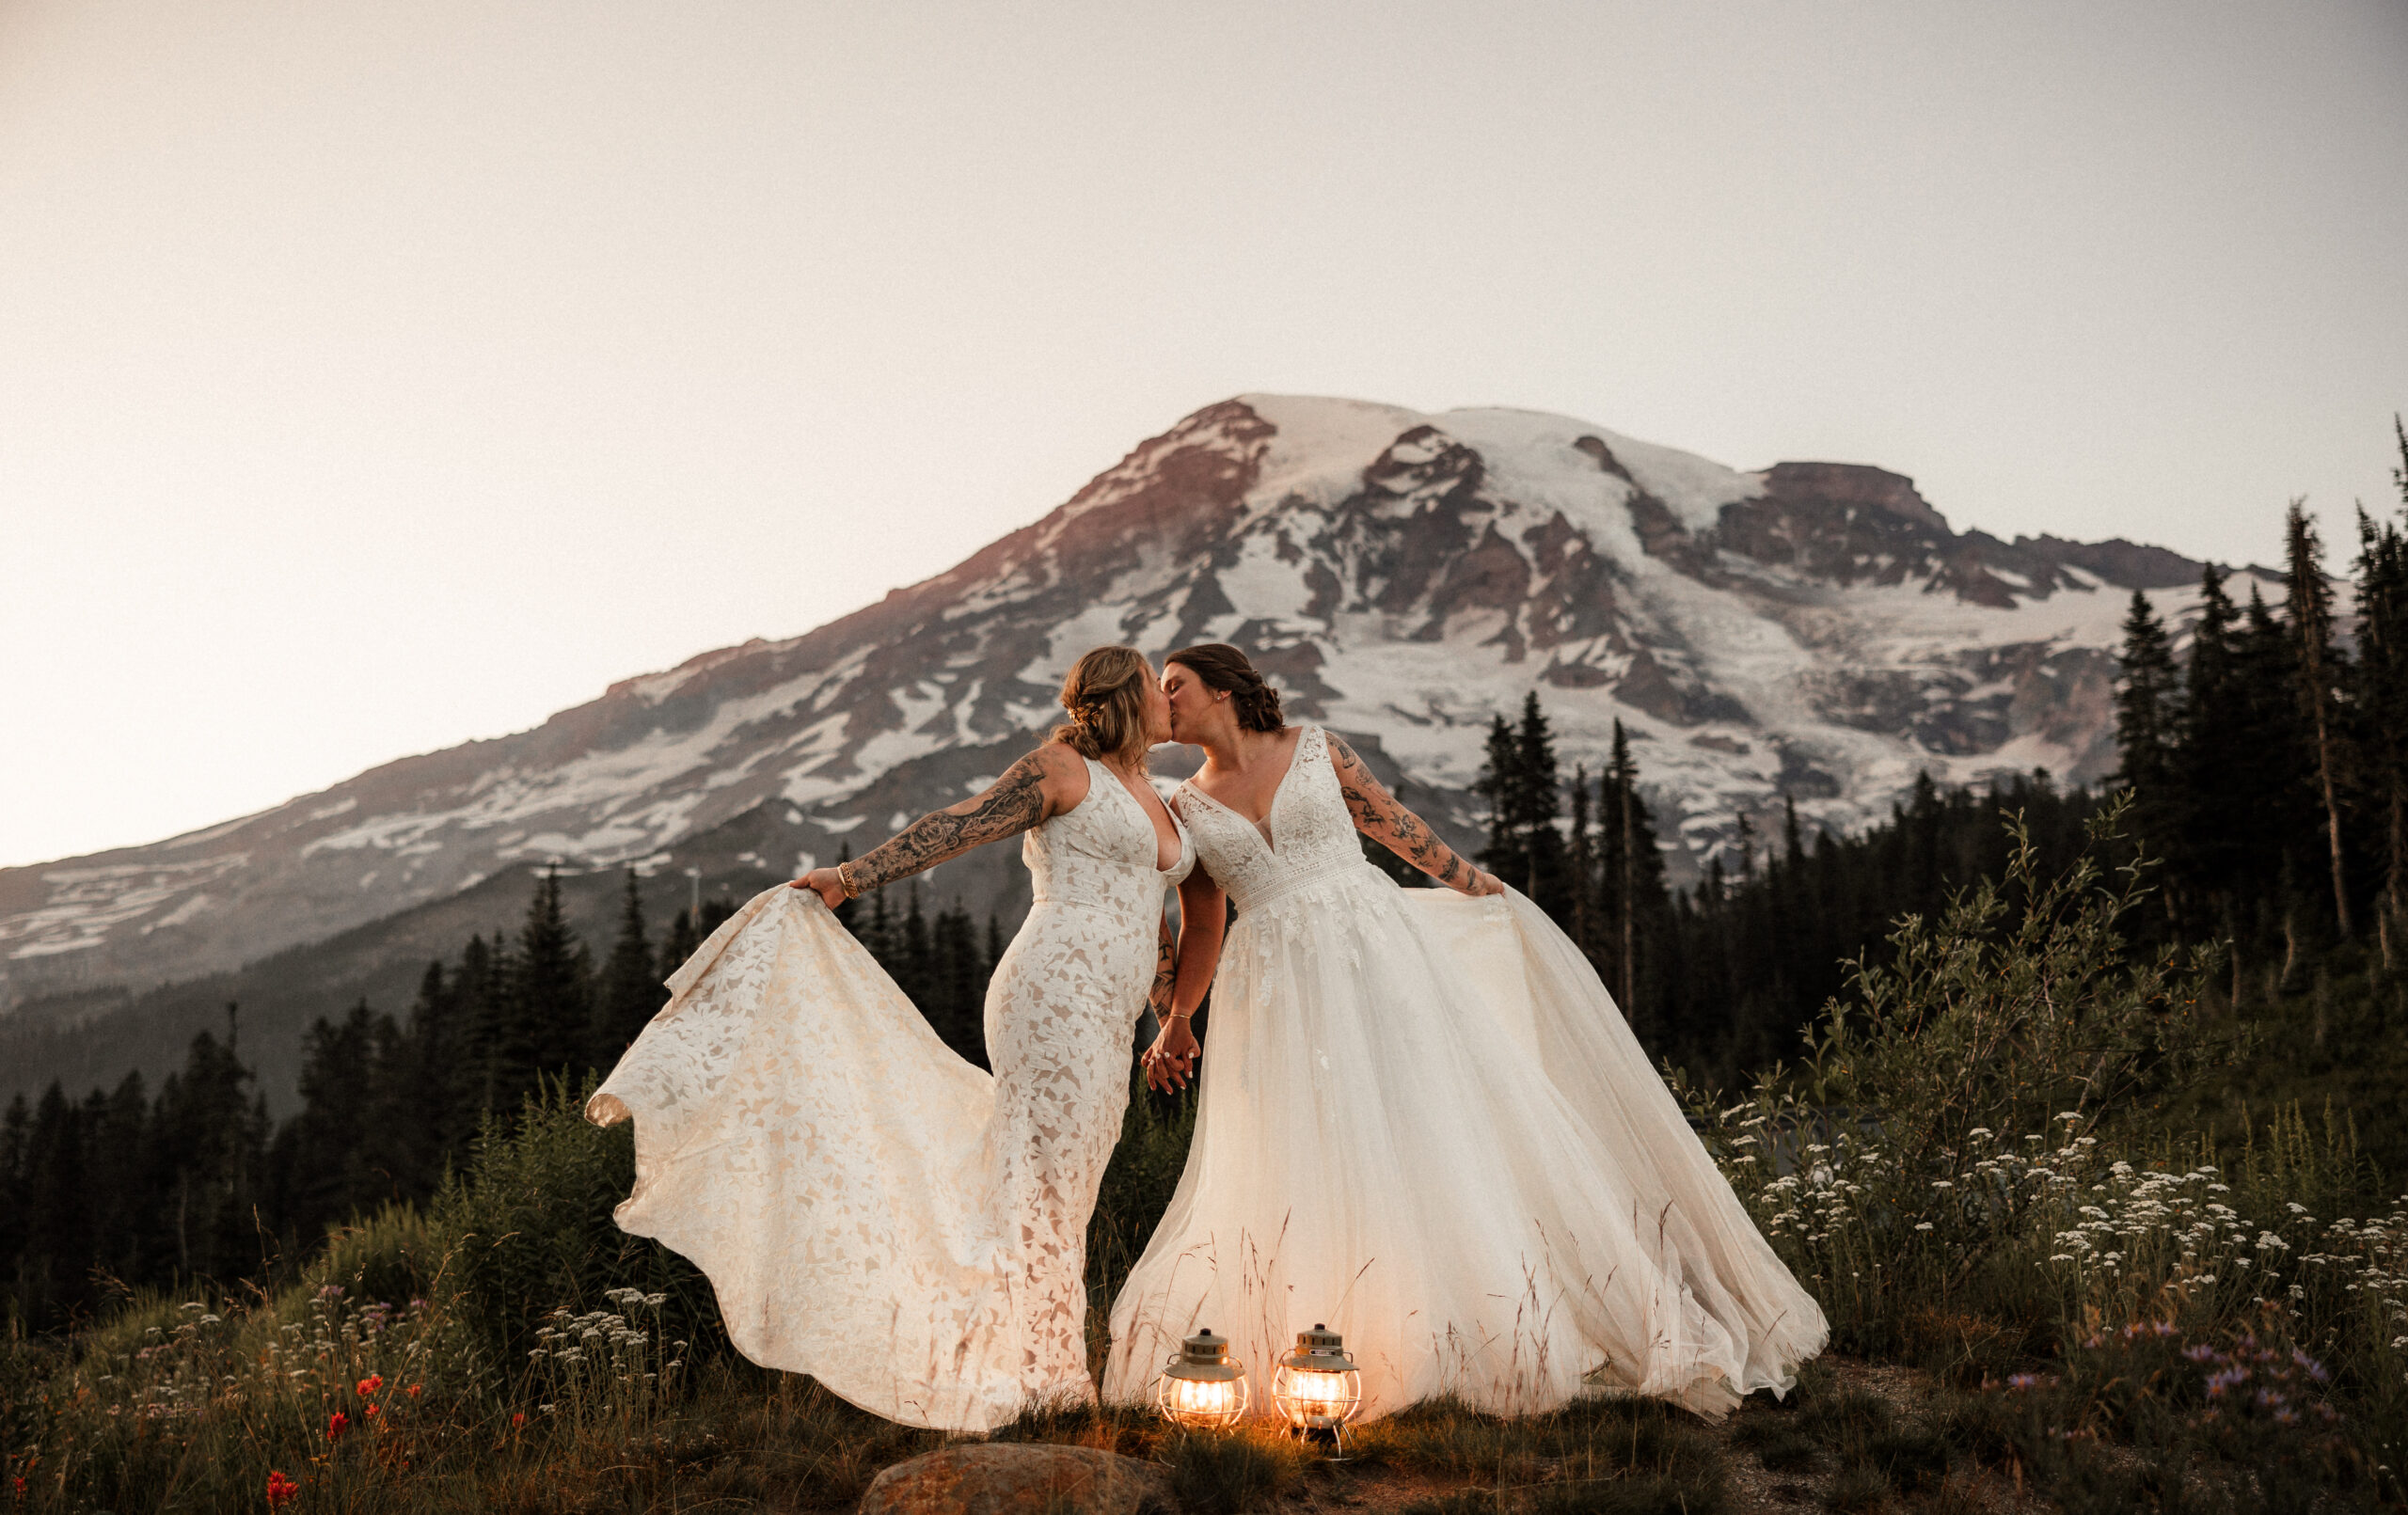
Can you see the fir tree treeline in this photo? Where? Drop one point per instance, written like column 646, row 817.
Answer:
column 128, row 1189
column 2269, row 766
column 1723, row 976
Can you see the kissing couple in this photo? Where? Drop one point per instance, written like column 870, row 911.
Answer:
column 1423, row 1121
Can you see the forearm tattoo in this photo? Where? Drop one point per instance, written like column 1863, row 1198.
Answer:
column 1165, row 972
column 1011, row 805
column 1378, row 816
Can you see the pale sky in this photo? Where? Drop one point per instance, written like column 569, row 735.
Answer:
column 377, row 376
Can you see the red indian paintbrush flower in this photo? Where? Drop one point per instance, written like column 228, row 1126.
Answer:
column 337, row 1423
column 281, row 1491
column 369, row 1384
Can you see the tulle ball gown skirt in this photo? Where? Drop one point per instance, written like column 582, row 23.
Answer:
column 1423, row 1122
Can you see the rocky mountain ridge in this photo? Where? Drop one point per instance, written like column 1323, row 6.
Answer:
column 1814, row 630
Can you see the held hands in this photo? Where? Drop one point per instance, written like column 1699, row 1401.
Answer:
column 1171, row 1059
column 829, row 886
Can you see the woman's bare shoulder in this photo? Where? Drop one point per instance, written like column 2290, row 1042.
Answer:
column 1056, row 759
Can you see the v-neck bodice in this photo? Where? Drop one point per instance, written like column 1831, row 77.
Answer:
column 1100, row 853
column 1308, row 820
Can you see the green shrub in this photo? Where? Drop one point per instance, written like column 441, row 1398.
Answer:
column 1967, row 1175
column 528, row 1231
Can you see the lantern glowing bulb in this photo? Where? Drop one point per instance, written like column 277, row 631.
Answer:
column 1317, row 1386
column 1202, row 1387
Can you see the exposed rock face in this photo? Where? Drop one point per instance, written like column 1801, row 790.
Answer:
column 1020, row 1478
column 1814, row 631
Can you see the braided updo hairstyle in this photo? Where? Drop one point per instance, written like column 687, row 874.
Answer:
column 1105, row 694
column 1221, row 666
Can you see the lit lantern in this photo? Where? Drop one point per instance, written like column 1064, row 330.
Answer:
column 1317, row 1386
column 1203, row 1386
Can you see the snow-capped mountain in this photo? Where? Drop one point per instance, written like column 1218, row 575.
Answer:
column 1813, row 630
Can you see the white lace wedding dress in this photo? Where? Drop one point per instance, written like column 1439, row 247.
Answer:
column 872, row 1210
column 1423, row 1121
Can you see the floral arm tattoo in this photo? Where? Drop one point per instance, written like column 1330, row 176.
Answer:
column 1166, row 970
column 1011, row 805
column 1379, row 816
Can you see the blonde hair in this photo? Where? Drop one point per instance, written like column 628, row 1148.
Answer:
column 1105, row 694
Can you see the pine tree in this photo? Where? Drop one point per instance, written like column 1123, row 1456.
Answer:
column 440, row 1109
column 679, row 942
column 331, row 1157
column 482, row 987
column 2322, row 672
column 877, row 932
column 1580, row 869
column 2207, row 851
column 2273, row 763
column 51, row 1272
column 1631, row 894
column 2380, row 704
column 550, row 1002
column 1539, row 803
column 631, row 993
column 1519, row 782
column 2148, row 725
column 913, row 966
column 211, row 1134
column 958, row 985
column 117, row 1128
column 1500, row 785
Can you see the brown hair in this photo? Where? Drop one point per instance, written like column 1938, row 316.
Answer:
column 1105, row 694
column 1221, row 666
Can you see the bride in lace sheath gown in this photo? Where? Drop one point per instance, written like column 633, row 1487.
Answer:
column 1421, row 1119
column 870, row 1208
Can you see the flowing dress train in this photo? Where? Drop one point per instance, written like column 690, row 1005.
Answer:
column 871, row 1208
column 1422, row 1121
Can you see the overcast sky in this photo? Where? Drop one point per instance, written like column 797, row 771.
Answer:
column 377, row 376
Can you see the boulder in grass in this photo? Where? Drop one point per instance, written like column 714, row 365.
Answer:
column 1020, row 1478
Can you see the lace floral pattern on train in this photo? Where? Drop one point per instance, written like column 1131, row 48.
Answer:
column 871, row 1208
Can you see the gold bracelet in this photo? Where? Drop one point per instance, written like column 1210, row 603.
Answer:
column 844, row 877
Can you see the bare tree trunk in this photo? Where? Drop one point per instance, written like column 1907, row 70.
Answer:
column 2332, row 817
column 2290, row 950
column 2311, row 623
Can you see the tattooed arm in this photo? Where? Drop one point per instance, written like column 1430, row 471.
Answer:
column 1379, row 816
column 1203, row 916
column 1039, row 786
column 1166, row 969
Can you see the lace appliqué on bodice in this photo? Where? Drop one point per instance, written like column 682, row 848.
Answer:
column 1312, row 836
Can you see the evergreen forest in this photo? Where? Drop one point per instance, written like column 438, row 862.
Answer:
column 2263, row 798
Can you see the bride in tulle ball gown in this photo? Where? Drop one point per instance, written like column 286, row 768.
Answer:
column 871, row 1208
column 1421, row 1117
